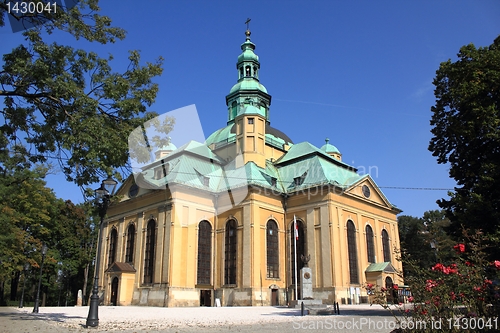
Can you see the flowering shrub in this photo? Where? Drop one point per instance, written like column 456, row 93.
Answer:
column 463, row 296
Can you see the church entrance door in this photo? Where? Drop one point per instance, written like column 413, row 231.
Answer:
column 274, row 297
column 205, row 298
column 114, row 291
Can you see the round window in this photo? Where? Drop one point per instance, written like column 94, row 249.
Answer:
column 366, row 191
column 134, row 189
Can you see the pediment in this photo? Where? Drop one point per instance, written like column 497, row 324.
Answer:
column 366, row 190
column 130, row 189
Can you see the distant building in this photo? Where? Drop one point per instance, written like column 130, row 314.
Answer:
column 215, row 220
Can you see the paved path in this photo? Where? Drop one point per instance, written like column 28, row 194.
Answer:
column 353, row 318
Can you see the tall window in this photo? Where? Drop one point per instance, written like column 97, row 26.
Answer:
column 113, row 239
column 230, row 253
column 353, row 254
column 149, row 258
column 234, row 108
column 204, row 252
column 272, row 250
column 385, row 246
column 370, row 245
column 129, row 250
column 300, row 250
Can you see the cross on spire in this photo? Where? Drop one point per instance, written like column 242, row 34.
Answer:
column 247, row 22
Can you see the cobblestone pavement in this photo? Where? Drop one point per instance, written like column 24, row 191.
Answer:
column 353, row 318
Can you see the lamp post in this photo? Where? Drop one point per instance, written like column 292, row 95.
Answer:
column 103, row 195
column 37, row 300
column 26, row 267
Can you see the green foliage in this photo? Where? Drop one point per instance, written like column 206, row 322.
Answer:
column 466, row 134
column 31, row 215
column 424, row 240
column 67, row 104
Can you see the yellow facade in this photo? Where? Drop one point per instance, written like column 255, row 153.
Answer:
column 175, row 244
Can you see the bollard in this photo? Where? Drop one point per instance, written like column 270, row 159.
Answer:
column 302, row 308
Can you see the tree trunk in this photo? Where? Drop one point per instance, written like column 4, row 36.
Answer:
column 13, row 285
column 2, row 290
column 84, row 289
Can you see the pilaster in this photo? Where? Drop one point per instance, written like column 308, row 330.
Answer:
column 311, row 246
column 247, row 255
column 326, row 256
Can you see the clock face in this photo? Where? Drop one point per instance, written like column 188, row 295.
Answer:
column 366, row 191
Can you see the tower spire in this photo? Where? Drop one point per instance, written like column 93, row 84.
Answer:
column 248, row 90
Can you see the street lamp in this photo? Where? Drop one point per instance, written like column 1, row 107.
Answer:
column 37, row 300
column 26, row 267
column 103, row 195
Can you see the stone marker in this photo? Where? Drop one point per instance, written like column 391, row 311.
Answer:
column 306, row 283
column 79, row 298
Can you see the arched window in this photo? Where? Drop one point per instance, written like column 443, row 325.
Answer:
column 113, row 240
column 353, row 254
column 204, row 252
column 300, row 250
column 230, row 253
column 234, row 109
column 149, row 258
column 370, row 245
column 272, row 249
column 385, row 246
column 247, row 71
column 129, row 250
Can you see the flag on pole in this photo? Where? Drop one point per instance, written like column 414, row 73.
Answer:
column 296, row 231
column 296, row 228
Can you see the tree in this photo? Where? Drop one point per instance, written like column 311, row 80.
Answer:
column 424, row 241
column 66, row 104
column 466, row 134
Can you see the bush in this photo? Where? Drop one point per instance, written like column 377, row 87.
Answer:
column 460, row 296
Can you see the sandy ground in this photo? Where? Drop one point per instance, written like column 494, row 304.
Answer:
column 352, row 318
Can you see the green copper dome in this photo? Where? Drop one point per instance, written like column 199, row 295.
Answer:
column 248, row 84
column 328, row 148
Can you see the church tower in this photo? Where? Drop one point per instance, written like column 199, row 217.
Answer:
column 248, row 106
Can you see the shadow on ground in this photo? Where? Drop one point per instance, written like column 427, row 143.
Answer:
column 374, row 311
column 13, row 314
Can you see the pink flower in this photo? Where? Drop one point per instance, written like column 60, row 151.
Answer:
column 452, row 269
column 438, row 267
column 369, row 286
column 429, row 284
column 410, row 299
column 496, row 264
column 460, row 248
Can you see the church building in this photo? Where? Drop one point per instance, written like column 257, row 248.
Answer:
column 221, row 222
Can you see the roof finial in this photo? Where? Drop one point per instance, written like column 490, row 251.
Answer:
column 247, row 33
column 327, row 140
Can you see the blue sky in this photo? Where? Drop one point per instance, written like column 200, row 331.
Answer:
column 357, row 72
